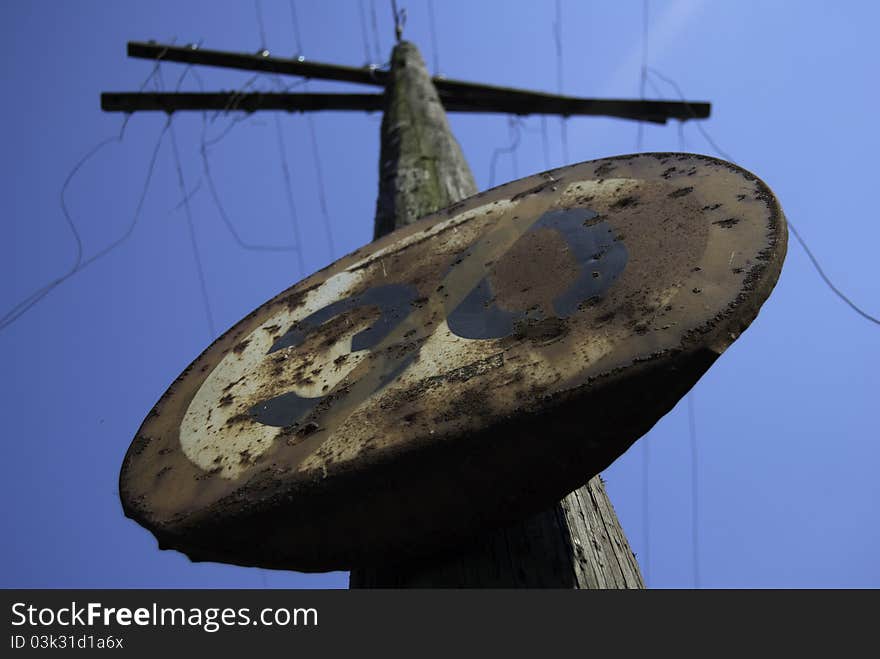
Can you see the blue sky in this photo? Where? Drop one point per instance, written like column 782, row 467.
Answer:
column 787, row 443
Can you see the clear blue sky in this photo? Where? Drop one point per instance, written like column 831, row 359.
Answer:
column 786, row 420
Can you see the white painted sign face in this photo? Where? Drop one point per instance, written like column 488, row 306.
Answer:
column 478, row 364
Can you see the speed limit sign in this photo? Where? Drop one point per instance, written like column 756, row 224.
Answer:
column 459, row 373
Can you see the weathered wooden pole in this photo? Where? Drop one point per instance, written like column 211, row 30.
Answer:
column 579, row 542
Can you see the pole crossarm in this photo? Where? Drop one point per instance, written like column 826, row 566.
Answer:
column 294, row 66
column 233, row 101
column 456, row 95
column 654, row 111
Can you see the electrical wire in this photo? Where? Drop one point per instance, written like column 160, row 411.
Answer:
column 646, row 516
column 208, row 174
column 643, row 74
column 203, row 286
column 434, row 49
column 827, row 280
column 791, row 225
column 24, row 305
column 513, row 126
column 646, row 449
column 189, row 196
column 375, row 24
column 563, row 121
column 285, row 170
column 695, row 489
column 297, row 37
column 258, row 7
column 361, row 12
column 513, row 129
column 319, row 167
column 690, row 110
column 545, row 142
column 695, row 497
column 322, row 192
column 399, row 17
column 227, row 222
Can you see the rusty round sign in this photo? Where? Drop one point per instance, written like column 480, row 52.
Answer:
column 459, row 373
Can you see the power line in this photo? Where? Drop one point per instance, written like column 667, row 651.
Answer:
column 231, row 106
column 695, row 489
column 222, row 135
column 434, row 49
column 827, row 281
column 192, row 232
column 188, row 197
column 297, row 37
column 205, row 143
column 702, row 130
column 515, row 135
column 695, row 507
column 692, row 424
column 316, row 156
column 285, row 170
column 322, row 192
column 513, row 127
column 557, row 36
column 646, row 501
column 24, row 305
column 557, row 39
column 258, row 7
column 790, row 224
column 262, row 50
column 646, row 455
column 367, row 57
column 643, row 73
column 563, row 130
column 212, row 187
column 545, row 142
column 657, row 90
column 682, row 142
column 399, row 20
column 235, row 101
column 375, row 23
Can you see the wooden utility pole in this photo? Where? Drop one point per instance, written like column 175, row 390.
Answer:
column 579, row 542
